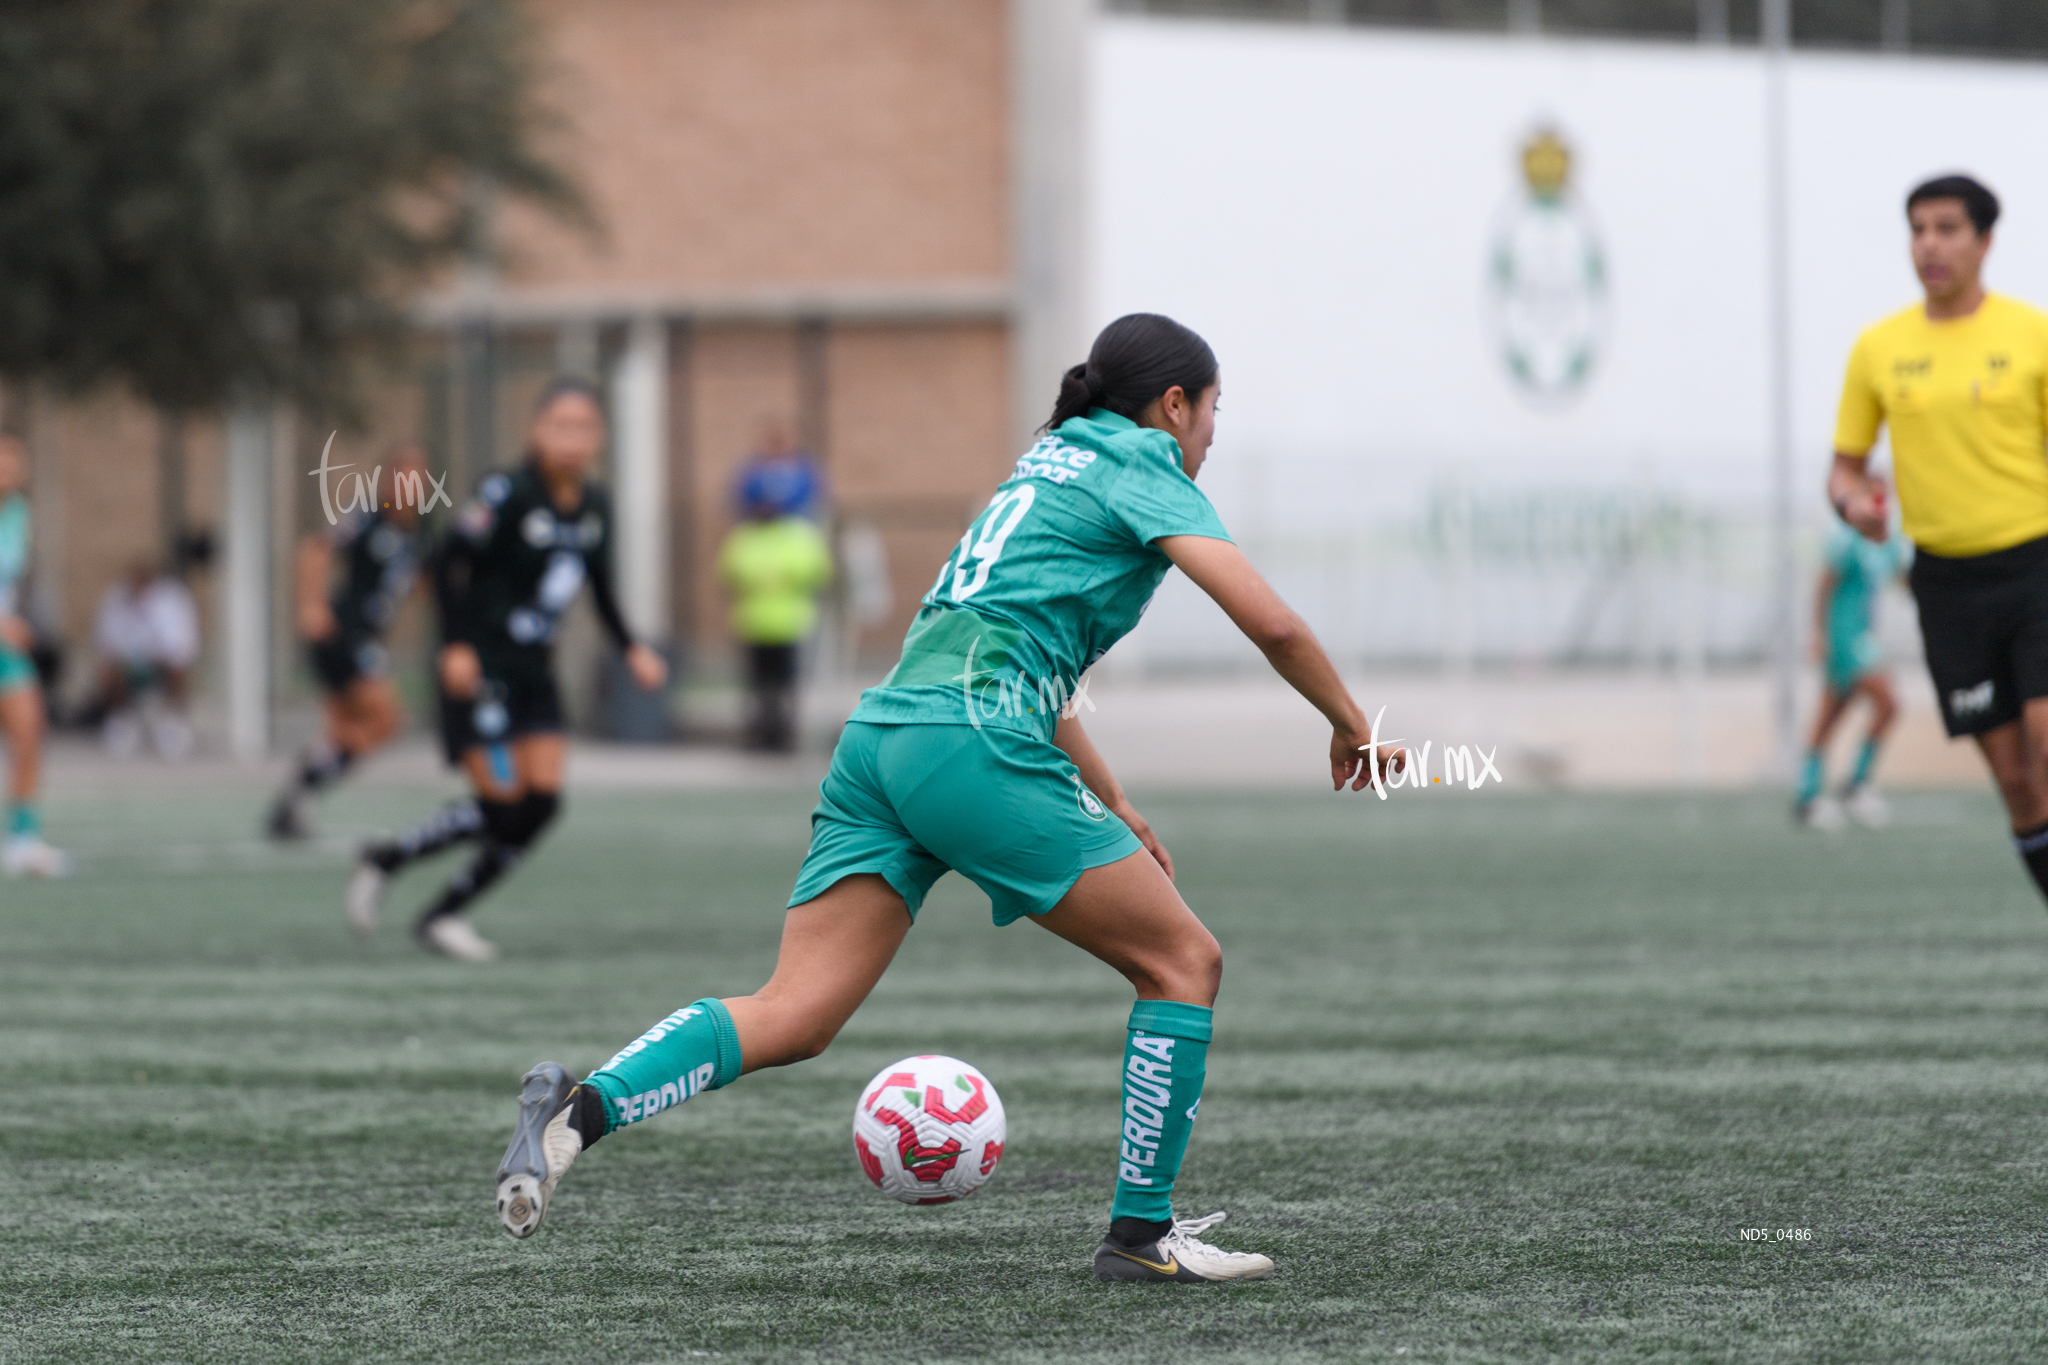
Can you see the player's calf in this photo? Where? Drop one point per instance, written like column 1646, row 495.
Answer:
column 691, row 1051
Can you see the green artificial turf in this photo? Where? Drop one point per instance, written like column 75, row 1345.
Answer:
column 1494, row 1079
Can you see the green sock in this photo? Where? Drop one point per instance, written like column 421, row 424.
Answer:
column 1866, row 759
column 24, row 821
column 1811, row 778
column 693, row 1050
column 1164, row 1059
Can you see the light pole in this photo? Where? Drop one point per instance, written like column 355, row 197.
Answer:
column 1777, row 36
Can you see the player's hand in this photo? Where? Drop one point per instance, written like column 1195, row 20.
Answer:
column 460, row 671
column 649, row 669
column 1146, row 837
column 15, row 633
column 1349, row 761
column 316, row 621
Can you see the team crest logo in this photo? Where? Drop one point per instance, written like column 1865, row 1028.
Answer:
column 1090, row 807
column 538, row 528
column 1548, row 278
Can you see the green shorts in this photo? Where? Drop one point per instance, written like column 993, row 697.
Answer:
column 1005, row 810
column 1851, row 661
column 17, row 670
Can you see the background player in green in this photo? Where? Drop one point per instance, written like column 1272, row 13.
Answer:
column 515, row 561
column 1855, row 572
column 969, row 757
column 22, row 716
column 343, row 625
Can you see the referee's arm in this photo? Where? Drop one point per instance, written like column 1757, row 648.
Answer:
column 1857, row 499
column 1860, row 502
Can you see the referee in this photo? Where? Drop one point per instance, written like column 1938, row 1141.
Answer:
column 1959, row 381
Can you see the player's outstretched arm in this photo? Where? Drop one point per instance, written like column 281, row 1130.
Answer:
column 311, row 568
column 1220, row 569
column 1073, row 741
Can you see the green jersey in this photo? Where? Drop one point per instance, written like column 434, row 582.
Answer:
column 13, row 551
column 1861, row 567
column 1057, row 568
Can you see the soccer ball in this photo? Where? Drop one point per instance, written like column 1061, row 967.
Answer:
column 928, row 1130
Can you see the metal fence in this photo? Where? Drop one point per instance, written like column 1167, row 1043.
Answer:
column 1997, row 28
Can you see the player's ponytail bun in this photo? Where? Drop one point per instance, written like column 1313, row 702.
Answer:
column 1135, row 360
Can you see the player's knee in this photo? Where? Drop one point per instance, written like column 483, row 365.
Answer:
column 381, row 724
column 1191, row 970
column 1206, row 964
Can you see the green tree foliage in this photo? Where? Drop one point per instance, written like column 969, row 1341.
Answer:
column 196, row 194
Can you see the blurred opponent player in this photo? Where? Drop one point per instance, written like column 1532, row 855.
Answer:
column 379, row 553
column 1856, row 570
column 968, row 757
column 513, row 564
column 1961, row 380
column 24, row 854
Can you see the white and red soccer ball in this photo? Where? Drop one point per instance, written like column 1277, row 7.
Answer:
column 928, row 1130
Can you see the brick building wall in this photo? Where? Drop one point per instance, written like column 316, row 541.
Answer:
column 814, row 149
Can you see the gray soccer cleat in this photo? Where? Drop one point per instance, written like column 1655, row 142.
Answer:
column 543, row 1147
column 1180, row 1256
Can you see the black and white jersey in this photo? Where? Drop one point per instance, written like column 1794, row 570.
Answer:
column 514, row 563
column 380, row 562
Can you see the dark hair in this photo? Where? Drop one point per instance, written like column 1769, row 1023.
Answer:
column 562, row 387
column 1135, row 360
column 1980, row 203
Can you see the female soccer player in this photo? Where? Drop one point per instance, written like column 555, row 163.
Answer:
column 379, row 552
column 518, row 556
column 1857, row 568
column 21, row 694
column 966, row 758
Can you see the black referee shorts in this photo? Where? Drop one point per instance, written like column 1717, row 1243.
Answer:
column 1984, row 623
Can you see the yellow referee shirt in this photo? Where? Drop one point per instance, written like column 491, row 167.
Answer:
column 1967, row 403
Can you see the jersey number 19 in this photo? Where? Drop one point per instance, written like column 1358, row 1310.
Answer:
column 983, row 544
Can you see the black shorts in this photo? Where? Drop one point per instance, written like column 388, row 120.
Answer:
column 506, row 706
column 1984, row 623
column 340, row 660
column 771, row 665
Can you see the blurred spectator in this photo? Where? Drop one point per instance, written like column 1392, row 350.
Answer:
column 780, row 474
column 147, row 634
column 775, row 562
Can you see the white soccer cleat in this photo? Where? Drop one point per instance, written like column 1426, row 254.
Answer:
column 26, row 855
column 1867, row 808
column 452, row 936
column 1180, row 1256
column 1822, row 813
column 543, row 1148
column 365, row 897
